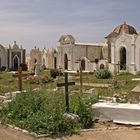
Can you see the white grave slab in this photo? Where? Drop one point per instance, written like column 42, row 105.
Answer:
column 119, row 113
column 136, row 79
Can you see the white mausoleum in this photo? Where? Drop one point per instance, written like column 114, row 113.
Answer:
column 124, row 48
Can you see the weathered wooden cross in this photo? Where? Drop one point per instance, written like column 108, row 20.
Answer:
column 81, row 80
column 20, row 75
column 66, row 84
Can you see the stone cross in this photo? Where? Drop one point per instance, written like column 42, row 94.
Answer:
column 37, row 69
column 66, row 84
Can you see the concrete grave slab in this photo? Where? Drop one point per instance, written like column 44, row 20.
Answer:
column 118, row 112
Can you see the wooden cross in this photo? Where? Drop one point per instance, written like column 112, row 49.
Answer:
column 20, row 75
column 66, row 84
column 81, row 80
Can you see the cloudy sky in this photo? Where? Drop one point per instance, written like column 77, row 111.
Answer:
column 41, row 22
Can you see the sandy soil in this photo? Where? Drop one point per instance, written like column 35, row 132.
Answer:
column 119, row 134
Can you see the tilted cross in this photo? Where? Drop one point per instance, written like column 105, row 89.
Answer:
column 66, row 84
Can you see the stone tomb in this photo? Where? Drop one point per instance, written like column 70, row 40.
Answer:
column 117, row 112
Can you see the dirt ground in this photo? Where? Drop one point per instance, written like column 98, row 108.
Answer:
column 118, row 134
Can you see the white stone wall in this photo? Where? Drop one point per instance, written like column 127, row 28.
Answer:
column 3, row 56
column 35, row 54
column 62, row 50
column 76, row 52
column 137, row 52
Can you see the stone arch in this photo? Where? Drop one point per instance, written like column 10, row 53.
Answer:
column 35, row 60
column 16, row 62
column 102, row 66
column 3, row 56
column 122, row 58
column 65, row 61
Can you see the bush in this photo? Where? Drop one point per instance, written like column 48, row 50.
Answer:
column 103, row 74
column 55, row 72
column 44, row 114
column 84, row 114
column 82, row 107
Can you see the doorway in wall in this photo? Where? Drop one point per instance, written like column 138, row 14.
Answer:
column 123, row 58
column 15, row 62
column 83, row 64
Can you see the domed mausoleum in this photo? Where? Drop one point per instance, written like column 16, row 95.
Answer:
column 128, row 29
column 124, row 48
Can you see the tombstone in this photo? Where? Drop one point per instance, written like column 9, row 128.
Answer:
column 37, row 69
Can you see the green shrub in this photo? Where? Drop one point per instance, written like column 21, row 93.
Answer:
column 84, row 114
column 46, row 79
column 103, row 74
column 81, row 106
column 43, row 113
column 54, row 72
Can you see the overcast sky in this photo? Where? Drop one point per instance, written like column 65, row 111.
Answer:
column 41, row 22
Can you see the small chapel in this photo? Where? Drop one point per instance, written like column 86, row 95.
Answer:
column 89, row 56
column 13, row 57
column 45, row 58
column 124, row 49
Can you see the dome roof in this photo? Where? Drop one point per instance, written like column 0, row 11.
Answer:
column 123, row 27
column 66, row 39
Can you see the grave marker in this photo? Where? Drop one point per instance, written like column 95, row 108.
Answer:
column 20, row 75
column 118, row 65
column 81, row 80
column 66, row 84
column 37, row 69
